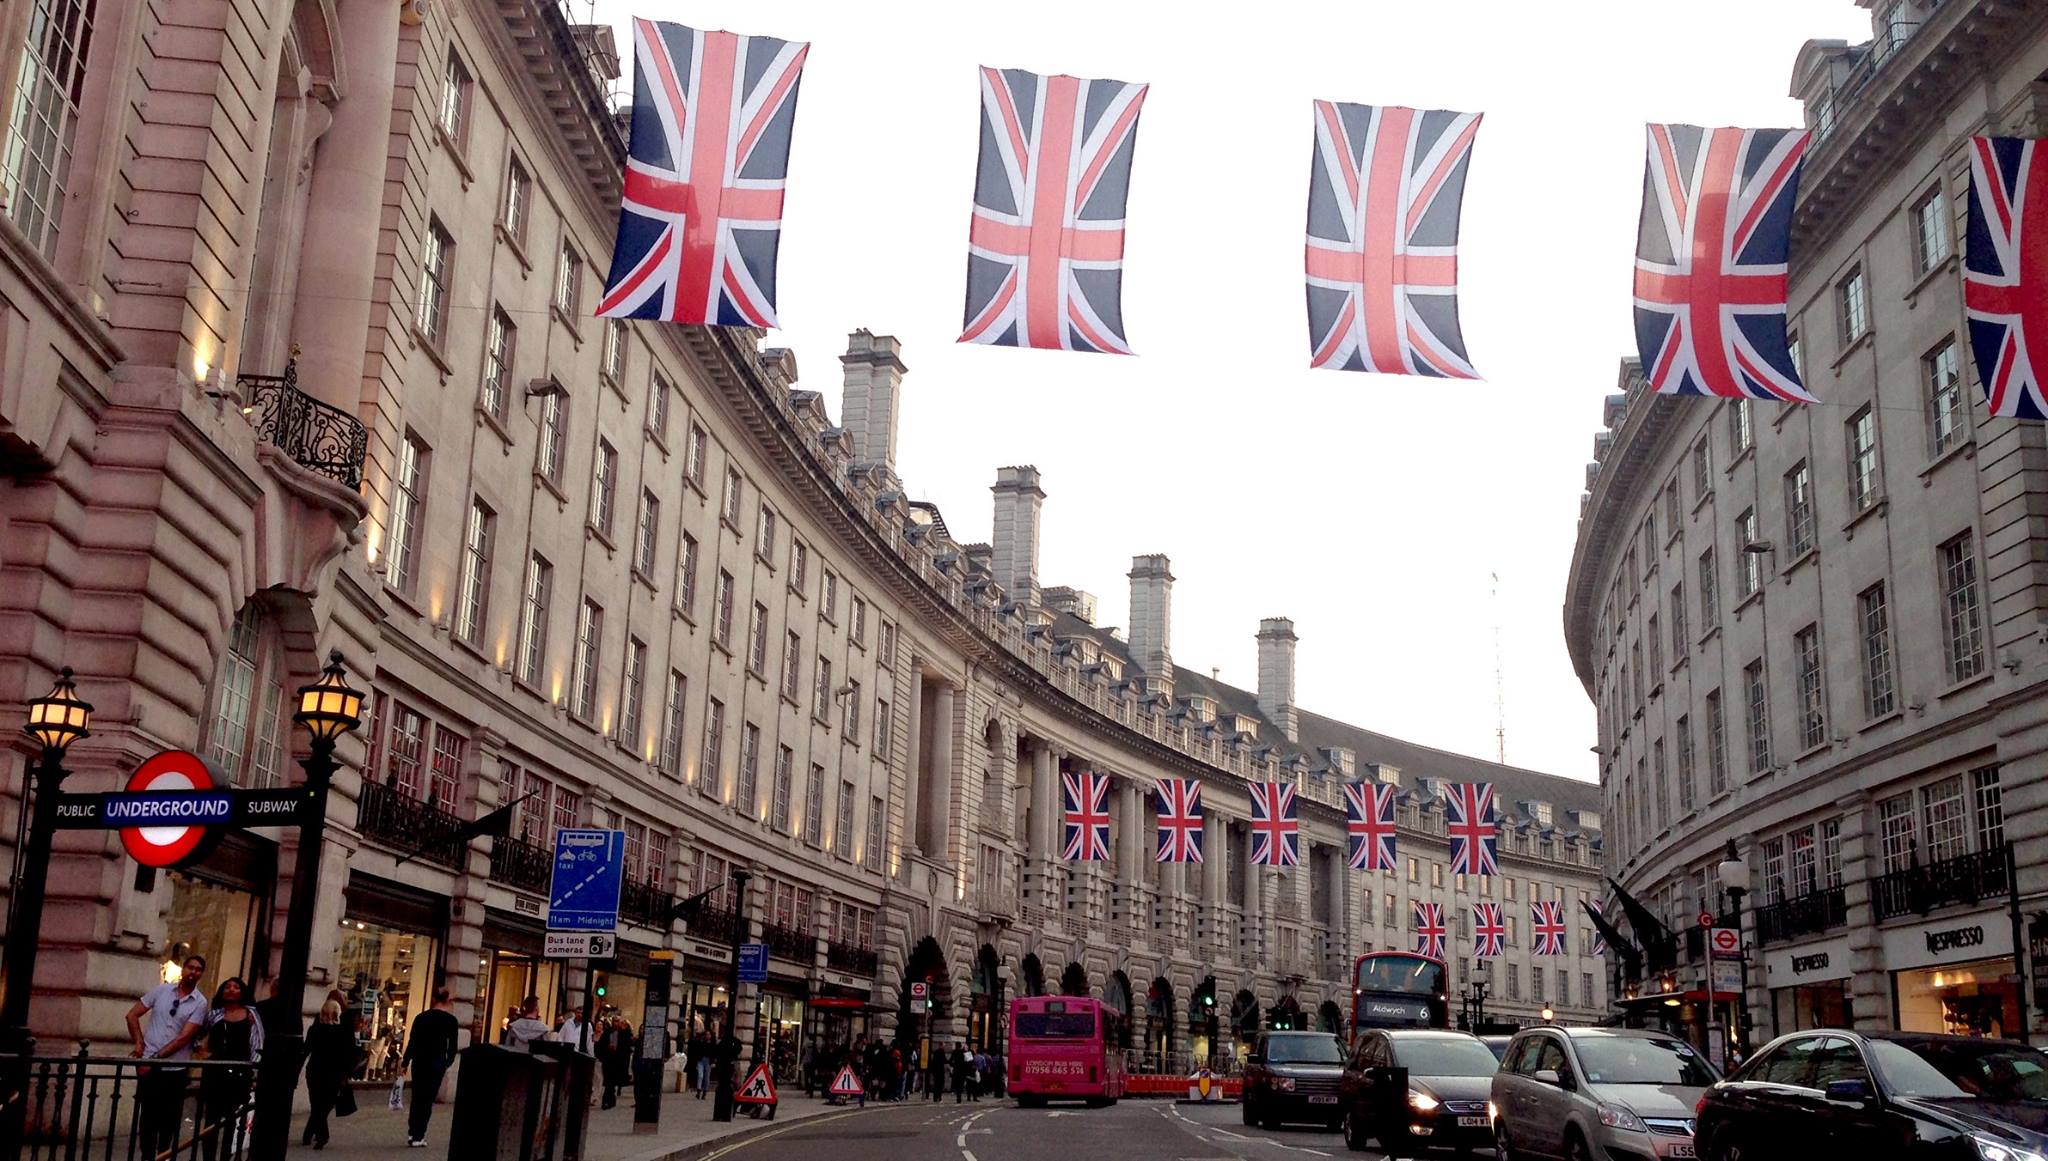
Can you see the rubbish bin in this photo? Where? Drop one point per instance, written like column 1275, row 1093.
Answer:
column 572, row 1095
column 505, row 1106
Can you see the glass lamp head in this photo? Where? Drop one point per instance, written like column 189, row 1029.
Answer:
column 59, row 718
column 329, row 707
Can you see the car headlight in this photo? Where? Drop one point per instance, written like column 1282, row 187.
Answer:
column 1283, row 1083
column 1620, row 1117
column 1993, row 1149
column 1492, row 1113
column 1421, row 1102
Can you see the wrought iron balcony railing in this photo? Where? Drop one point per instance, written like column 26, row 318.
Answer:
column 316, row 436
column 1962, row 879
column 645, row 903
column 521, row 865
column 390, row 816
column 845, row 957
column 789, row 943
column 713, row 925
column 1823, row 909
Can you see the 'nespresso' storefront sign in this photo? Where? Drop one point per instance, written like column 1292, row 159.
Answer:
column 1808, row 963
column 1950, row 939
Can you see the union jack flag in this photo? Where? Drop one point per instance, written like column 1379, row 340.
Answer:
column 2005, row 285
column 1385, row 190
column 1489, row 931
column 1710, row 261
column 1045, row 254
column 700, row 217
column 1429, row 929
column 1599, row 940
column 1369, row 820
column 1085, row 806
column 1546, row 918
column 1180, row 820
column 1276, row 832
column 1468, row 819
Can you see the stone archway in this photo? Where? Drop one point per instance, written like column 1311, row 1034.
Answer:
column 1244, row 1018
column 1074, row 980
column 987, row 1006
column 1159, row 1018
column 1116, row 996
column 1330, row 1017
column 1033, row 971
column 927, row 966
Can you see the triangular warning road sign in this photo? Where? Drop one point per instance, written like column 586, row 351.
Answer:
column 846, row 1083
column 759, row 1089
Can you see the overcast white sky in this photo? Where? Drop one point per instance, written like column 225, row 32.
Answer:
column 1371, row 509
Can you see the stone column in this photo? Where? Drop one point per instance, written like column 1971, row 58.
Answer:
column 1135, row 823
column 913, row 791
column 1215, row 858
column 941, row 827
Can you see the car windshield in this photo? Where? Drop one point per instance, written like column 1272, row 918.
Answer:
column 1989, row 1070
column 1642, row 1060
column 1445, row 1057
column 1908, row 1074
column 1304, row 1050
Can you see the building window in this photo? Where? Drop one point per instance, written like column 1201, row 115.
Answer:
column 533, row 618
column 814, row 805
column 747, row 798
column 1702, row 471
column 799, row 565
column 878, row 816
column 828, row 597
column 408, row 741
column 1960, row 605
column 1681, row 641
column 842, row 821
column 1671, row 507
column 1717, row 744
column 672, row 722
column 437, row 272
column 821, row 698
column 1751, row 573
column 1813, row 710
column 50, row 88
column 695, row 453
column 1741, row 434
column 792, row 663
column 885, row 645
column 1875, row 617
column 721, row 612
column 686, row 576
column 1798, row 511
column 764, row 535
column 882, row 729
column 1831, row 853
column 247, row 735
column 636, row 674
column 408, row 512
column 1759, row 716
column 1945, row 818
column 648, row 539
column 478, row 537
column 455, row 89
column 857, row 624
column 1514, row 977
column 518, row 196
column 785, row 765
column 1660, row 786
column 1930, row 230
column 604, row 490
column 1774, row 870
column 1987, row 804
column 498, row 346
column 1895, row 832
column 711, row 774
column 1855, row 307
column 852, row 724
column 1944, row 398
column 658, row 401
column 589, row 640
column 1687, row 792
column 554, row 433
column 1862, row 442
column 729, row 509
column 1710, row 599
column 612, row 360
column 568, row 280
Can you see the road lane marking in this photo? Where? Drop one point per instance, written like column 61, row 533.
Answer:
column 754, row 1138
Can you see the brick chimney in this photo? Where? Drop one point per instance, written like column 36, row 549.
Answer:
column 874, row 387
column 1276, row 674
column 1015, row 537
column 1152, row 616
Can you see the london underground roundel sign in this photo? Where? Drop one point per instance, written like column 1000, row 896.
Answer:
column 180, row 795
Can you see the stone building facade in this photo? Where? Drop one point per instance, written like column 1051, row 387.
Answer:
column 1816, row 632
column 300, row 356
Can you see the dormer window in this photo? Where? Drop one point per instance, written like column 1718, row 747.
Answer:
column 1201, row 709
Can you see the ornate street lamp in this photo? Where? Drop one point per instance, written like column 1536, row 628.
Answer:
column 1549, row 1016
column 55, row 721
column 328, row 708
column 1734, row 874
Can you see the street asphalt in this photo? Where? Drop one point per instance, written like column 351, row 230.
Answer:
column 1000, row 1131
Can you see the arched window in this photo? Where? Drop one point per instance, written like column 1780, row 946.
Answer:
column 245, row 731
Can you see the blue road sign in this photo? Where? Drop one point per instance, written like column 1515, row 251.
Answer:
column 584, row 893
column 753, row 963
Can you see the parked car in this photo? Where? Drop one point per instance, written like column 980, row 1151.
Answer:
column 1598, row 1094
column 1441, row 1103
column 1293, row 1076
column 1898, row 1096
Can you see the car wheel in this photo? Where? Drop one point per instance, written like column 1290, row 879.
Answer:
column 1502, row 1151
column 1575, row 1148
column 1729, row 1148
column 1251, row 1112
column 1354, row 1134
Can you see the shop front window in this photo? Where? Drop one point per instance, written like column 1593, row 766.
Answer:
column 781, row 1033
column 211, row 920
column 385, row 976
column 508, row 978
column 1823, row 1005
column 1969, row 999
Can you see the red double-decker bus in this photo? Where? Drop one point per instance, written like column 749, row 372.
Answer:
column 1060, row 1050
column 1399, row 989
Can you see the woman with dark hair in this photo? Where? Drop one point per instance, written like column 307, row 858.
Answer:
column 234, row 1033
column 330, row 1057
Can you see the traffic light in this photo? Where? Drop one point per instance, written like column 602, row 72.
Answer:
column 601, row 989
column 1209, row 1001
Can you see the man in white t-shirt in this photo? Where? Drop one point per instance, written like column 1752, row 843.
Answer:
column 575, row 1031
column 163, row 1024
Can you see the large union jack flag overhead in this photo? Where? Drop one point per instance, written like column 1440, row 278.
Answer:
column 1085, row 813
column 2005, row 274
column 1276, row 832
column 1429, row 929
column 1180, row 820
column 1369, row 821
column 1468, row 819
column 1546, row 919
column 1045, row 254
column 1385, row 191
column 1710, row 261
column 700, row 217
column 1489, row 931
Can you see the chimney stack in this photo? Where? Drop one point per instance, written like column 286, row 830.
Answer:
column 1018, row 498
column 1276, row 674
column 874, row 382
column 1152, row 616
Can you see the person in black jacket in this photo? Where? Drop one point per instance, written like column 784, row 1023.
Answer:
column 330, row 1056
column 615, row 1059
column 430, row 1049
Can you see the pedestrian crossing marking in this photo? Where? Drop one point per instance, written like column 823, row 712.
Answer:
column 759, row 1088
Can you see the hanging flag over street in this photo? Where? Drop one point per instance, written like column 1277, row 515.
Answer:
column 1085, row 812
column 1711, row 251
column 2005, row 280
column 700, row 218
column 1369, row 822
column 1276, row 830
column 1386, row 187
column 1489, row 931
column 1429, row 929
column 1180, row 820
column 1045, row 253
column 1468, row 820
column 1547, row 926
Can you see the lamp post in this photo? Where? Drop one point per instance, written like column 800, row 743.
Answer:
column 55, row 721
column 1549, row 1015
column 721, row 1102
column 1734, row 874
column 328, row 708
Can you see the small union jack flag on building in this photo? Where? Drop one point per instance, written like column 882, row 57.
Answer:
column 1385, row 191
column 1546, row 919
column 1429, row 929
column 1045, row 255
column 1489, row 931
column 1468, row 820
column 1085, row 811
column 700, row 215
column 2005, row 277
column 1276, row 832
column 1711, row 262
column 1369, row 820
column 1180, row 820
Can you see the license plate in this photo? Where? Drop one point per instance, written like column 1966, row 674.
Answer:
column 1681, row 1151
column 1471, row 1122
column 1322, row 1100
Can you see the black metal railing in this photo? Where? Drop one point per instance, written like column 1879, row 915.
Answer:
column 845, row 957
column 421, row 829
column 1962, row 879
column 85, row 1106
column 645, row 903
column 789, row 943
column 316, row 436
column 1823, row 909
column 521, row 865
column 713, row 925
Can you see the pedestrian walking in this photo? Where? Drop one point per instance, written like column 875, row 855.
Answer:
column 615, row 1050
column 234, row 1033
column 162, row 1024
column 574, row 1031
column 430, row 1049
column 935, row 1073
column 698, row 1058
column 526, row 1031
column 330, row 1057
column 962, row 1067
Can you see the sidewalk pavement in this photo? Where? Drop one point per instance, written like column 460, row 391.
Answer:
column 377, row 1133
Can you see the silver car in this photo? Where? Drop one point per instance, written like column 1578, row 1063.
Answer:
column 1597, row 1094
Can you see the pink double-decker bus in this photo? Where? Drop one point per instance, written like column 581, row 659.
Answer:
column 1060, row 1050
